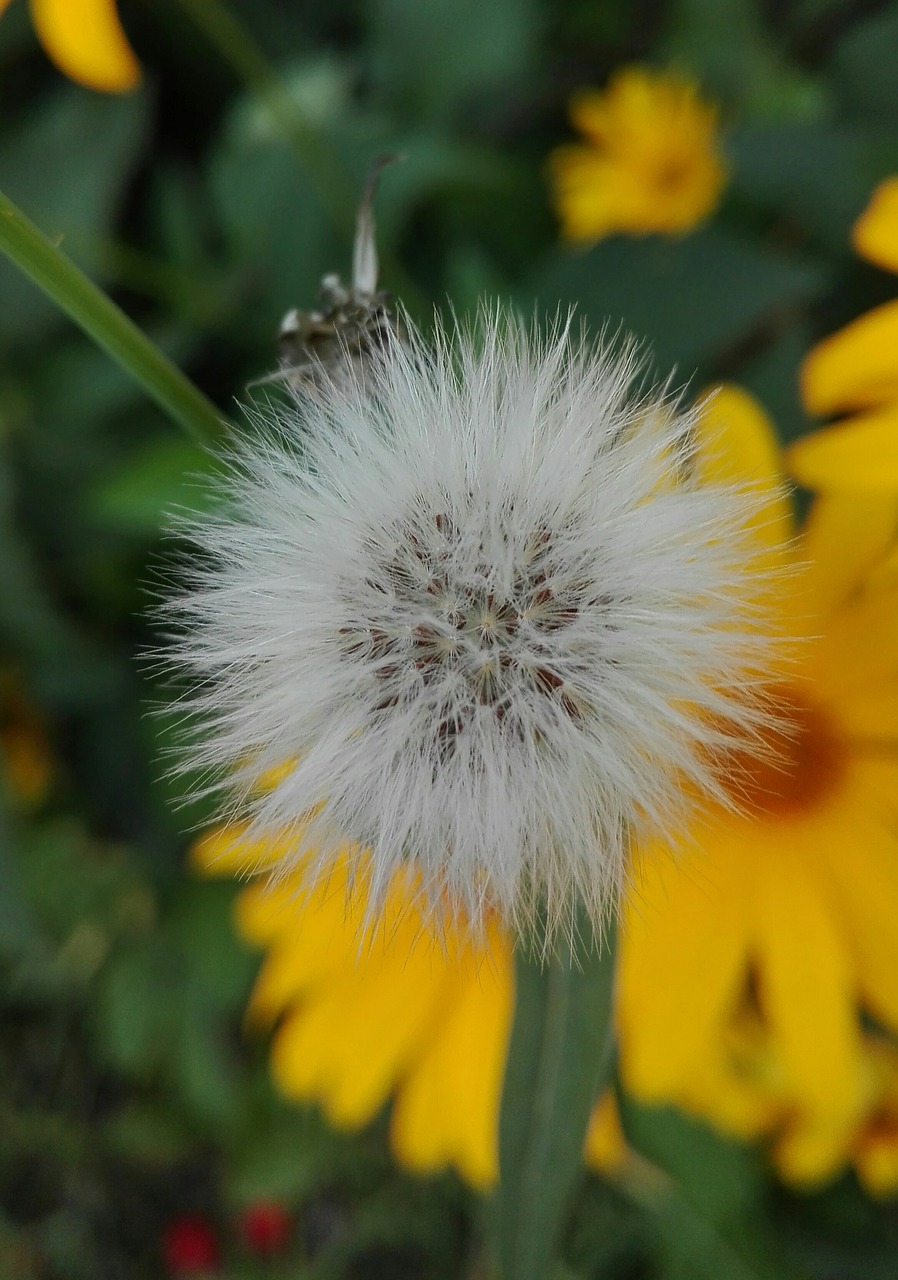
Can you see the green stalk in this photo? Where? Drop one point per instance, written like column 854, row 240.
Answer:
column 559, row 1058
column 99, row 317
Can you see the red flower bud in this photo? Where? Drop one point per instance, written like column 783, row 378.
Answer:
column 266, row 1227
column 189, row 1246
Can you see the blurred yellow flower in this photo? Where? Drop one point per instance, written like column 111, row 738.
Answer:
column 86, row 41
column 650, row 162
column 399, row 1008
column 793, row 901
column 27, row 760
column 855, row 372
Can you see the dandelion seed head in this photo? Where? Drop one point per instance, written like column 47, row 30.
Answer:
column 487, row 613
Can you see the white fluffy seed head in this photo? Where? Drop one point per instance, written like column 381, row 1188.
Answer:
column 487, row 615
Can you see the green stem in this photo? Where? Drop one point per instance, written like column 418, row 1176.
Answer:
column 559, row 1057
column 99, row 317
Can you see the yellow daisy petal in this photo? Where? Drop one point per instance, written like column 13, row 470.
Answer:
column 228, row 850
column 875, row 234
column 681, row 965
column 860, row 452
column 845, row 536
column 857, row 659
column 351, row 1043
column 738, row 445
column 606, row 1146
column 805, row 980
column 86, row 41
column 854, row 368
column 447, row 1111
column 867, row 885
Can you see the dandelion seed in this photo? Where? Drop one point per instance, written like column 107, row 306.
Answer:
column 480, row 604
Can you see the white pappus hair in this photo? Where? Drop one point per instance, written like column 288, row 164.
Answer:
column 487, row 614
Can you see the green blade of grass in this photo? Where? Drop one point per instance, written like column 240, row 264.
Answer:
column 98, row 316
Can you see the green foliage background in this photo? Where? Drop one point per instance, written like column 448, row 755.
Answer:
column 209, row 202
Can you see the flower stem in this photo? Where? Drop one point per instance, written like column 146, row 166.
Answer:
column 99, row 317
column 559, row 1058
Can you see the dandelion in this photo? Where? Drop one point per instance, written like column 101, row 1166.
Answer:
column 86, row 41
column 650, row 161
column 489, row 615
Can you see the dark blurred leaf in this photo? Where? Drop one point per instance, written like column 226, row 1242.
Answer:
column 817, row 176
column 431, row 57
column 863, row 67
column 276, row 226
column 148, row 489
column 137, row 1002
column 67, row 165
column 690, row 299
column 728, row 45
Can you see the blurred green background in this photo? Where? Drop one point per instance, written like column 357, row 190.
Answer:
column 208, row 202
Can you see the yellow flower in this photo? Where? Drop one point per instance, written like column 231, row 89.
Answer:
column 855, row 372
column 365, row 1013
column 27, row 760
column 86, row 41
column 794, row 898
column 650, row 162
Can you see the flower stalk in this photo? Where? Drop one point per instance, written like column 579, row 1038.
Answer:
column 559, row 1058
column 98, row 316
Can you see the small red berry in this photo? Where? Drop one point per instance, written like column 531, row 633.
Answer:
column 189, row 1246
column 266, row 1227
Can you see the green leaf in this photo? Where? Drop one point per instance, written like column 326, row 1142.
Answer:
column 691, row 299
column 432, row 57
column 817, row 176
column 863, row 68
column 560, row 1054
column 68, row 164
column 159, row 479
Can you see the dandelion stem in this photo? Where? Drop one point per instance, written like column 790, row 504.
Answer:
column 559, row 1057
column 98, row 316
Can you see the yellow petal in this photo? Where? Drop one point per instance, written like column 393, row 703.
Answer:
column 862, row 857
column 86, row 41
column 875, row 234
column 737, row 445
column 845, row 536
column 229, row 850
column 606, row 1146
column 805, row 977
column 856, row 660
column 856, row 367
column 860, row 453
column 447, row 1110
column 351, row 1043
column 681, row 966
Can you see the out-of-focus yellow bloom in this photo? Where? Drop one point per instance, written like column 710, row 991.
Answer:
column 855, row 372
column 27, row 761
column 794, row 898
column 392, row 1009
column 86, row 41
column 650, row 162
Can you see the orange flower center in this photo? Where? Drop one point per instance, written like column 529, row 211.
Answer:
column 800, row 762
